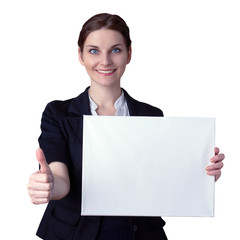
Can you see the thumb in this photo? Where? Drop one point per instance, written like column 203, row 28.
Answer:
column 44, row 168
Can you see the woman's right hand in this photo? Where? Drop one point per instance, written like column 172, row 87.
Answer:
column 40, row 185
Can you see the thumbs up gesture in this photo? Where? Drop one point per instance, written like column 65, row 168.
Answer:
column 41, row 182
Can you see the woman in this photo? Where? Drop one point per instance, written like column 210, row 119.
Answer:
column 104, row 50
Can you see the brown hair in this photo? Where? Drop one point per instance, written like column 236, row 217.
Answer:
column 107, row 21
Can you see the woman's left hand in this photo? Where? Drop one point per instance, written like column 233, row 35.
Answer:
column 215, row 168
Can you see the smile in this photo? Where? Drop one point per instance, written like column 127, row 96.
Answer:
column 107, row 71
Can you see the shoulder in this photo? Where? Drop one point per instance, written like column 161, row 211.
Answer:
column 55, row 111
column 74, row 106
column 137, row 108
column 58, row 107
column 149, row 109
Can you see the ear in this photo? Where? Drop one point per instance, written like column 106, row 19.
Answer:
column 80, row 57
column 129, row 55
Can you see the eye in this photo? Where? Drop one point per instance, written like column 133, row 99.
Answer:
column 116, row 50
column 93, row 51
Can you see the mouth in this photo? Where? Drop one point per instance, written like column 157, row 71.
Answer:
column 106, row 72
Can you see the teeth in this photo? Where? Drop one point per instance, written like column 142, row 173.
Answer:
column 107, row 71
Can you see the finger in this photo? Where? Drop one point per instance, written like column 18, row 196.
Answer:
column 40, row 186
column 40, row 201
column 218, row 158
column 39, row 194
column 216, row 150
column 216, row 173
column 44, row 168
column 40, row 177
column 215, row 166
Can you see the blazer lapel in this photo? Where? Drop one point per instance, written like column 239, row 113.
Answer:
column 78, row 107
column 137, row 108
column 133, row 105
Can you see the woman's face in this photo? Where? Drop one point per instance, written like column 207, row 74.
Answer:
column 105, row 57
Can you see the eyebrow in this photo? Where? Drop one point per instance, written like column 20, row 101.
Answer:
column 92, row 46
column 115, row 45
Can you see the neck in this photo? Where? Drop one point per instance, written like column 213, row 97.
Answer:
column 104, row 97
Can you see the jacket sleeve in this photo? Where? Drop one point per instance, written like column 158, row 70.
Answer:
column 52, row 141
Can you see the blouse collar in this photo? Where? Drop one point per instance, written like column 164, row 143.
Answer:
column 118, row 104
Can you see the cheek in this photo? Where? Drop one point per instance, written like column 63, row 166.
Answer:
column 90, row 63
column 122, row 62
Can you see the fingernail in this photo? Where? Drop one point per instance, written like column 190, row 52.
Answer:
column 212, row 160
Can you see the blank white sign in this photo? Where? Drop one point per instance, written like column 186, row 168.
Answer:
column 147, row 166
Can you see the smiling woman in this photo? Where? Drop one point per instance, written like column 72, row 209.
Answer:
column 104, row 50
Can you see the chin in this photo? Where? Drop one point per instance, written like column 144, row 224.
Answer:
column 107, row 82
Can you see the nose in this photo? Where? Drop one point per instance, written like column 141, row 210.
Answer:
column 106, row 59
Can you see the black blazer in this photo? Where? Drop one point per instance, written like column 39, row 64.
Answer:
column 61, row 140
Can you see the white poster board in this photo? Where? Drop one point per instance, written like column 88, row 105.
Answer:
column 147, row 166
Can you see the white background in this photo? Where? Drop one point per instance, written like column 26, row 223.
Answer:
column 186, row 61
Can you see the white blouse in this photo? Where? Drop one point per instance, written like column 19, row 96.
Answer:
column 120, row 105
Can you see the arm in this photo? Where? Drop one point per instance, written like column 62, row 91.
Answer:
column 51, row 182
